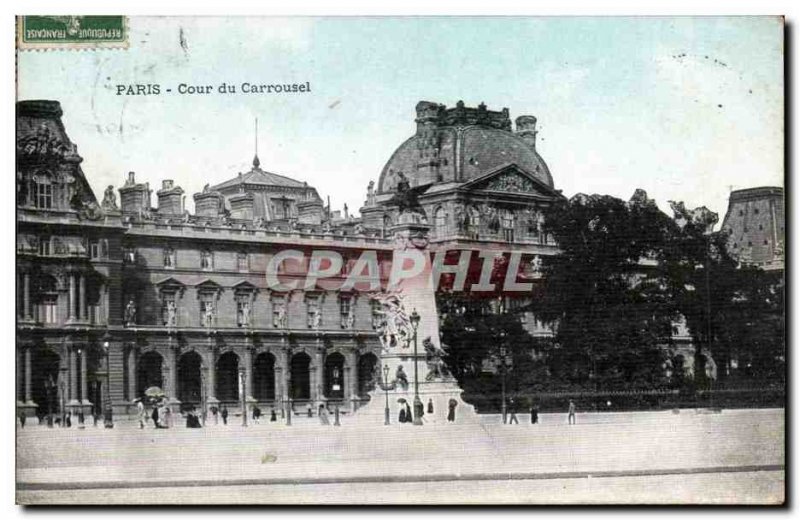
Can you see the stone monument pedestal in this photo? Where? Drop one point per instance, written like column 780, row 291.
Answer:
column 399, row 334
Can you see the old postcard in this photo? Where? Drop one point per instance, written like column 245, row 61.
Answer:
column 400, row 260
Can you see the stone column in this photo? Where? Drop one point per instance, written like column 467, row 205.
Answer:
column 81, row 297
column 19, row 359
column 28, row 378
column 248, row 373
column 211, row 391
column 349, row 376
column 71, row 310
column 73, row 376
column 84, row 386
column 172, row 378
column 316, row 377
column 132, row 375
column 285, row 382
column 278, row 375
column 26, row 296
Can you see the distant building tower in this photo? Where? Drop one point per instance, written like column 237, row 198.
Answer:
column 755, row 221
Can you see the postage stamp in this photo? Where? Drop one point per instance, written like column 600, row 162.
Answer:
column 72, row 32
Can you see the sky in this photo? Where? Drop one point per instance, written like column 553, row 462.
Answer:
column 684, row 108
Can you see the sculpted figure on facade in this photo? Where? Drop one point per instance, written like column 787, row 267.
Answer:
column 130, row 313
column 279, row 314
column 172, row 314
column 394, row 327
column 110, row 199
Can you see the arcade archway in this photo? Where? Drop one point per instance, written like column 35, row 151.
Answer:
column 228, row 377
column 301, row 376
column 148, row 372
column 190, row 378
column 264, row 377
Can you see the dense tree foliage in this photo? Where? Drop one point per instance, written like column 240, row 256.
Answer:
column 626, row 274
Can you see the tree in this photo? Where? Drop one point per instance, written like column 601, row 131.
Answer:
column 731, row 310
column 605, row 292
column 475, row 328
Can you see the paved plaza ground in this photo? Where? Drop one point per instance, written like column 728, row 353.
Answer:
column 736, row 456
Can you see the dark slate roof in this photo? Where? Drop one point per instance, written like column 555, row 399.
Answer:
column 258, row 176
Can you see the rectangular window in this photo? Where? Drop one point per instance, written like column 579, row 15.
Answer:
column 50, row 310
column 94, row 250
column 346, row 310
column 44, row 195
column 44, row 246
column 242, row 263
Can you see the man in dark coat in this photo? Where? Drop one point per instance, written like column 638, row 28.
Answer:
column 430, row 406
column 402, row 416
column 273, row 417
column 224, row 414
column 534, row 414
column 409, row 417
column 512, row 407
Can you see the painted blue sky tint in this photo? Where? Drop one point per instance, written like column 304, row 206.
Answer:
column 682, row 107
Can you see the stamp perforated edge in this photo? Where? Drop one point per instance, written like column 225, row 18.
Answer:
column 71, row 46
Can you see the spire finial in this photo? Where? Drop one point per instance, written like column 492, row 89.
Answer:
column 256, row 162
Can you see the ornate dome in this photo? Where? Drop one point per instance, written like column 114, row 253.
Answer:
column 462, row 143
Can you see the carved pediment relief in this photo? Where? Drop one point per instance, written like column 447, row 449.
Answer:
column 511, row 179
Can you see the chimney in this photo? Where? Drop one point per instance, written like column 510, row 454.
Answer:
column 207, row 203
column 242, row 206
column 170, row 198
column 526, row 129
column 134, row 198
column 310, row 211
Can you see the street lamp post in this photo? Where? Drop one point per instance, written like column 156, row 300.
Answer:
column 415, row 318
column 386, row 387
column 108, row 411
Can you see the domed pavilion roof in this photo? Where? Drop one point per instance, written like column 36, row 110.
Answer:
column 462, row 143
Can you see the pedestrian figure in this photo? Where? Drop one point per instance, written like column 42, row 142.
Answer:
column 256, row 414
column 154, row 416
column 402, row 415
column 513, row 410
column 22, row 419
column 68, row 420
column 273, row 417
column 215, row 414
column 571, row 412
column 534, row 414
column 430, row 406
column 81, row 419
column 308, row 410
column 224, row 415
column 419, row 408
column 451, row 410
column 323, row 415
column 142, row 415
column 409, row 417
column 167, row 417
column 401, row 377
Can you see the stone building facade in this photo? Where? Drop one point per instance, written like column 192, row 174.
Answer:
column 118, row 296
column 755, row 220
